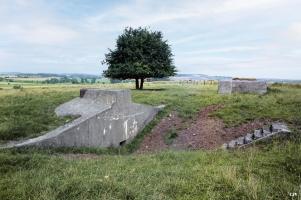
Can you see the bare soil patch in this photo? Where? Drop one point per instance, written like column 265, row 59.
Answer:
column 204, row 132
column 155, row 140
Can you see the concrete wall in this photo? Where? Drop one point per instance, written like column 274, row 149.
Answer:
column 108, row 118
column 242, row 86
column 225, row 87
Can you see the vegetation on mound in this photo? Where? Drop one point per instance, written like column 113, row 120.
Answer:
column 29, row 114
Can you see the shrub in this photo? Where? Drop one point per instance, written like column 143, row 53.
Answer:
column 17, row 87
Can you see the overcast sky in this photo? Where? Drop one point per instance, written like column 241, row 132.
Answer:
column 249, row 38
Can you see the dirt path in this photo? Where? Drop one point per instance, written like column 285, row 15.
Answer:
column 204, row 132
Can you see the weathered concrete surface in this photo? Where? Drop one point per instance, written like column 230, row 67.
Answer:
column 225, row 87
column 242, row 86
column 107, row 118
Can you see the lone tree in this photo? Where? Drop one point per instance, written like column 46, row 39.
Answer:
column 139, row 54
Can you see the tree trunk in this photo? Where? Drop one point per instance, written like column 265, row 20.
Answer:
column 141, row 84
column 137, row 83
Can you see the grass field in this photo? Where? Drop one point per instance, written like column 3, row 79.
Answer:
column 265, row 171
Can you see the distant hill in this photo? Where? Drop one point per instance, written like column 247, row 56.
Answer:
column 197, row 77
column 178, row 77
column 48, row 75
column 271, row 80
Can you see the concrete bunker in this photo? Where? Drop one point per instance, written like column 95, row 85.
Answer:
column 107, row 118
column 242, row 86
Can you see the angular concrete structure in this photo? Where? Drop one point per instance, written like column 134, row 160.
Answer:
column 107, row 118
column 242, row 86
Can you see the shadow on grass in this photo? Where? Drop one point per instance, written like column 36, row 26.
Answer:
column 151, row 89
column 273, row 90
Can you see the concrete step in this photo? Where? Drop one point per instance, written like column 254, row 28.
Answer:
column 258, row 134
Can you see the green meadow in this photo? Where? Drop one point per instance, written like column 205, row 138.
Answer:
column 270, row 170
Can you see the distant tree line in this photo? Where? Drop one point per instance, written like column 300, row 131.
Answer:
column 70, row 80
column 6, row 79
column 61, row 80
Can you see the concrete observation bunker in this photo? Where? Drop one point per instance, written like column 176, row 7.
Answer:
column 107, row 118
column 242, row 86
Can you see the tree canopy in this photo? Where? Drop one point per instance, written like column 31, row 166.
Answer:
column 139, row 54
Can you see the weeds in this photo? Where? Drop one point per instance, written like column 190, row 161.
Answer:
column 170, row 136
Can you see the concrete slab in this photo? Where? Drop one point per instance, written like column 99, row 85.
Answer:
column 242, row 86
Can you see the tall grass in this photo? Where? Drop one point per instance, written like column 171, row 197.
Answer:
column 243, row 174
column 29, row 114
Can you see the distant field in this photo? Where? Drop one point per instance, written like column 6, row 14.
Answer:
column 263, row 172
column 32, row 78
column 9, row 85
